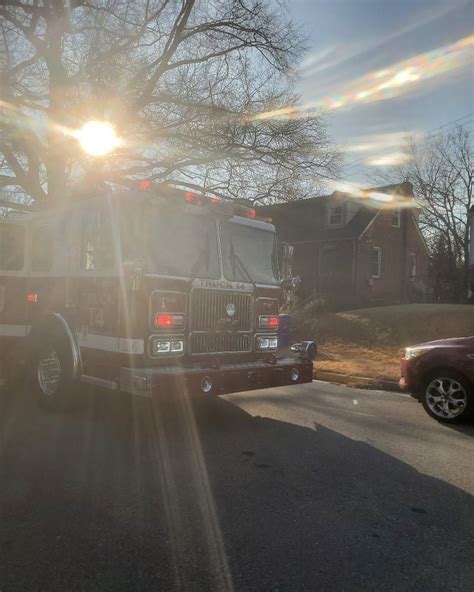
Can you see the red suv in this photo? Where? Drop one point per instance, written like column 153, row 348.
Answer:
column 440, row 374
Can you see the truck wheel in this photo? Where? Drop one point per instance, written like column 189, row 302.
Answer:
column 52, row 373
column 448, row 397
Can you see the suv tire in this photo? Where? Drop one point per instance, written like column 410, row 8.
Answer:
column 448, row 396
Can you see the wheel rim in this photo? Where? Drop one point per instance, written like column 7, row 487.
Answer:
column 446, row 397
column 49, row 372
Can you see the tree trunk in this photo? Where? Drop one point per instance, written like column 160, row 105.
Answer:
column 56, row 160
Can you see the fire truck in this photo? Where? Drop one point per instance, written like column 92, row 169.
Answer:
column 150, row 291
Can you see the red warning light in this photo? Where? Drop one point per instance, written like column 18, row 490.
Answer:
column 144, row 185
column 193, row 198
column 273, row 322
column 32, row 297
column 163, row 320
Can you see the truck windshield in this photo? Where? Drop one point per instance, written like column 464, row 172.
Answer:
column 249, row 254
column 180, row 243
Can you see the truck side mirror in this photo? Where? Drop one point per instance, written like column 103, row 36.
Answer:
column 287, row 252
column 133, row 272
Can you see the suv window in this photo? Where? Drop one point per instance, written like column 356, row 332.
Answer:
column 12, row 247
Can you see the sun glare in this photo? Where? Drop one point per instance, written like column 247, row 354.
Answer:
column 388, row 83
column 98, row 138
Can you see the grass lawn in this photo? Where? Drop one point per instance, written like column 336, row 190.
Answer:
column 368, row 342
column 359, row 360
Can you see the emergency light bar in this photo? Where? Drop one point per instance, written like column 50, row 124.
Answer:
column 213, row 201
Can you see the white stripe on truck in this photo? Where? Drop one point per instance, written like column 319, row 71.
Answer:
column 14, row 330
column 121, row 345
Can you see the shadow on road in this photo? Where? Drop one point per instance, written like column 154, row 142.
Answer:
column 463, row 428
column 121, row 496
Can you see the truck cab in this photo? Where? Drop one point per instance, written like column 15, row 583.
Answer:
column 155, row 292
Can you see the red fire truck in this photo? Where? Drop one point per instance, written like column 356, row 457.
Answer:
column 148, row 292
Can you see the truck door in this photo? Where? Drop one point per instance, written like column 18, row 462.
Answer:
column 13, row 325
column 97, row 290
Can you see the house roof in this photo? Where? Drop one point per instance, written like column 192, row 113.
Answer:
column 303, row 213
column 402, row 190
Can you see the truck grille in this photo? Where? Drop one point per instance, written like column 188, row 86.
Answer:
column 213, row 343
column 208, row 311
column 219, row 330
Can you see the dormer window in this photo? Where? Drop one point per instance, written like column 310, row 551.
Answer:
column 396, row 217
column 336, row 216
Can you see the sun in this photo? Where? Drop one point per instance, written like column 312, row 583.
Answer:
column 98, row 138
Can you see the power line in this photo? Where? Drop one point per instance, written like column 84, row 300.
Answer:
column 429, row 135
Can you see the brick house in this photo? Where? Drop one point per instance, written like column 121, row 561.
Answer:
column 356, row 250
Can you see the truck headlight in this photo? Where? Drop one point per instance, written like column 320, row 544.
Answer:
column 177, row 346
column 159, row 346
column 267, row 343
column 162, row 347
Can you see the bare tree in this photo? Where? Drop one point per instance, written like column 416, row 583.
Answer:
column 441, row 171
column 185, row 84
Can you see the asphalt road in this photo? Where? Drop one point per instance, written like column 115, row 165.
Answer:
column 316, row 487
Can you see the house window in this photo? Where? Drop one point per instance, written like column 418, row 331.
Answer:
column 412, row 266
column 336, row 216
column 376, row 262
column 396, row 216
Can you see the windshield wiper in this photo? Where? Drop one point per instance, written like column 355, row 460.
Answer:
column 203, row 258
column 236, row 259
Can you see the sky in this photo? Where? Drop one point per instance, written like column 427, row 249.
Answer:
column 385, row 71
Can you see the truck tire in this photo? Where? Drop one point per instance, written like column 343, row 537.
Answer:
column 52, row 372
column 448, row 397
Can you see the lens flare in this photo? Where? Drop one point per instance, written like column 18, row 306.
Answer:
column 385, row 84
column 98, row 138
column 396, row 158
column 371, row 197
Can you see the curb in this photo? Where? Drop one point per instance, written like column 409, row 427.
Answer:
column 349, row 379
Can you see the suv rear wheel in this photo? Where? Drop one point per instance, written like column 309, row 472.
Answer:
column 448, row 397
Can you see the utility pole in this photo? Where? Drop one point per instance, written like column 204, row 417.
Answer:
column 470, row 291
